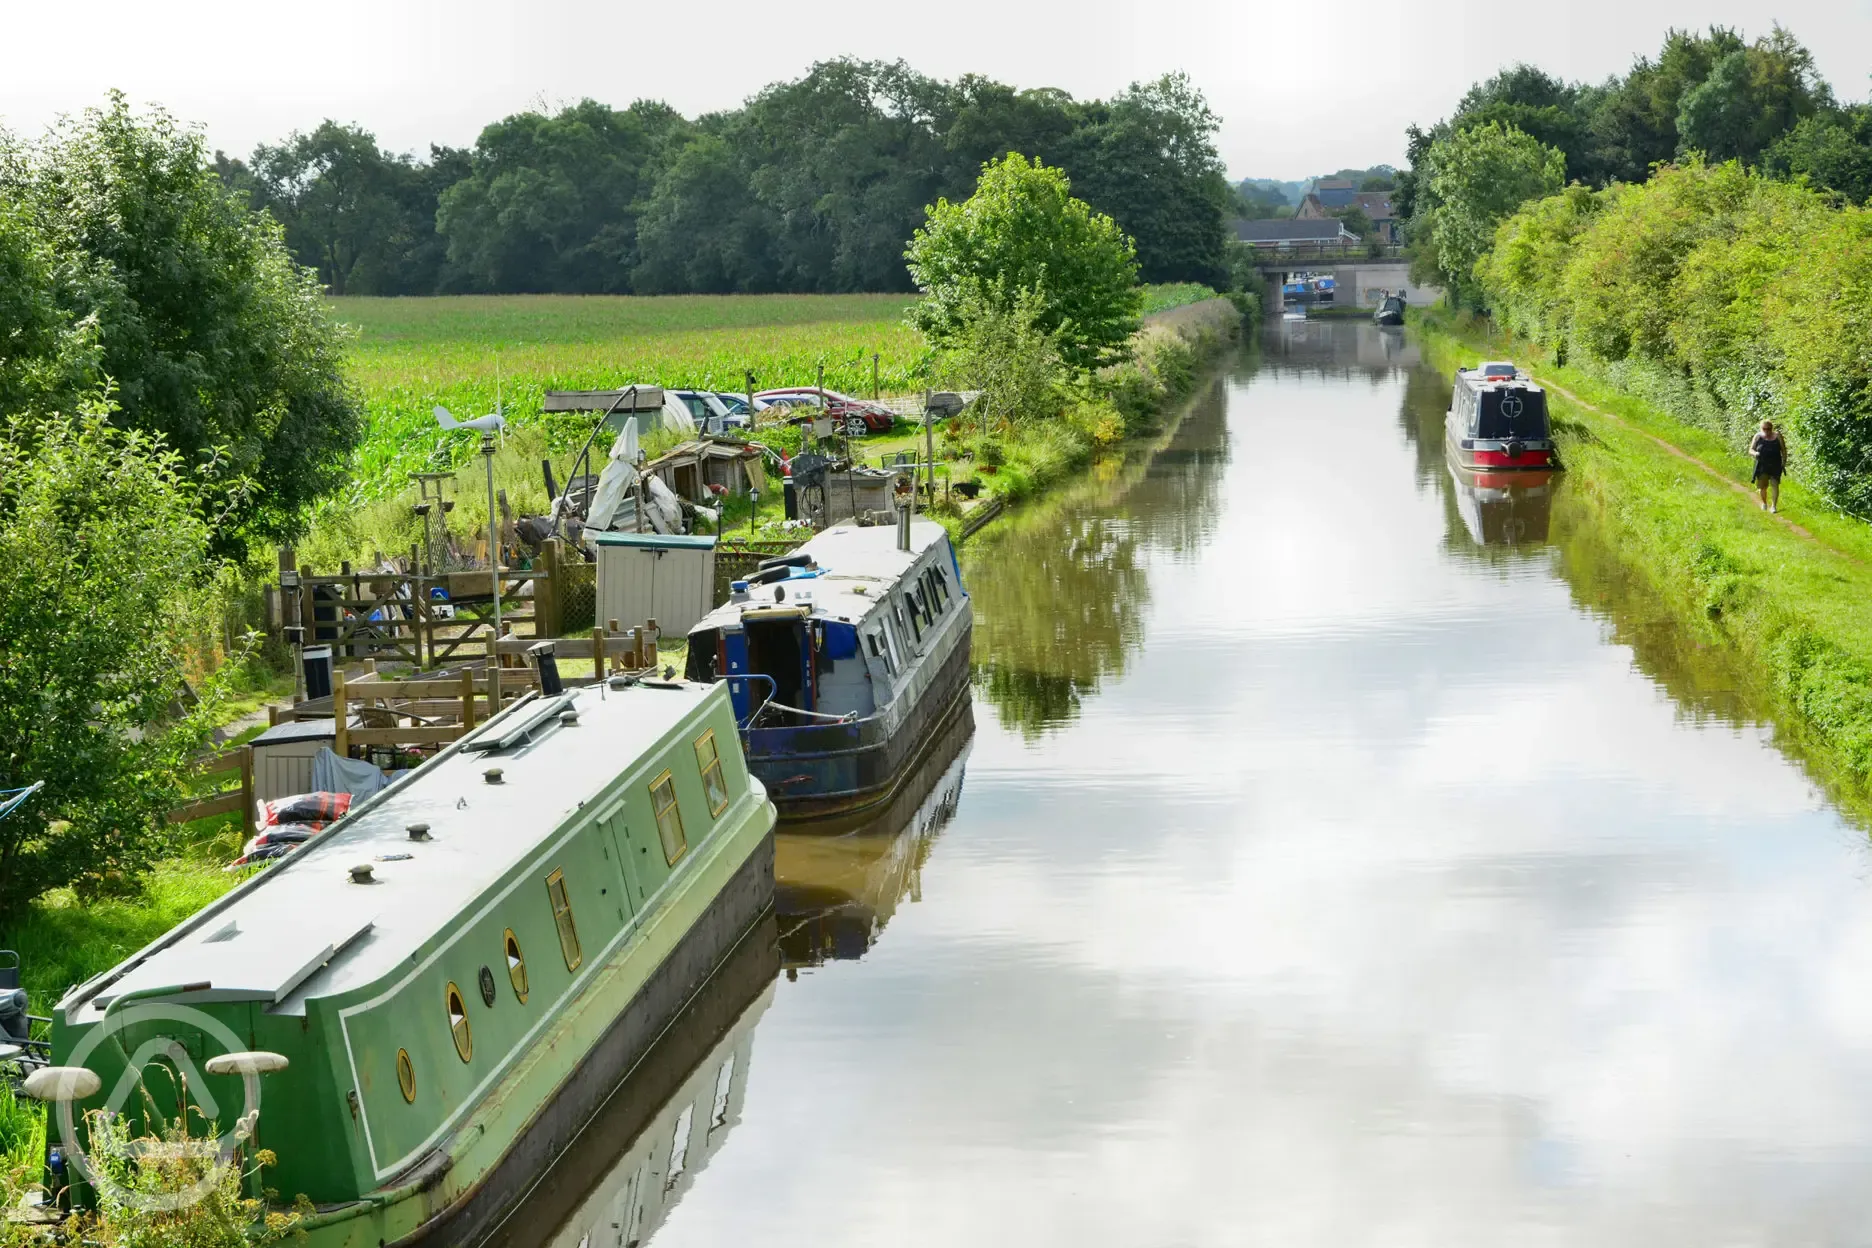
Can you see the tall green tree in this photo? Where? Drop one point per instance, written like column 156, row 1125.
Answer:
column 549, row 203
column 1148, row 160
column 1023, row 241
column 210, row 334
column 102, row 544
column 1831, row 149
column 1751, row 97
column 1477, row 179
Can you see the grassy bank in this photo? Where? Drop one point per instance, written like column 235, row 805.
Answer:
column 1022, row 459
column 1791, row 594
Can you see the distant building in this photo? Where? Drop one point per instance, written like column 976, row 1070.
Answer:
column 1376, row 205
column 1320, row 231
column 1334, row 193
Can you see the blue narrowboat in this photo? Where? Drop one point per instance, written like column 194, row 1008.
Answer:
column 844, row 660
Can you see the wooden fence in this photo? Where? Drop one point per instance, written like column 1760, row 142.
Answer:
column 237, row 762
column 736, row 558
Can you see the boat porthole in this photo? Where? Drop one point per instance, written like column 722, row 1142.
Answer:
column 458, row 1023
column 406, row 1076
column 516, row 967
column 486, row 979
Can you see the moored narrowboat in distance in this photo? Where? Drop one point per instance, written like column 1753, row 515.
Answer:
column 427, row 1000
column 1497, row 420
column 1390, row 311
column 845, row 659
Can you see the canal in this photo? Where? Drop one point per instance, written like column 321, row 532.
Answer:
column 1341, row 854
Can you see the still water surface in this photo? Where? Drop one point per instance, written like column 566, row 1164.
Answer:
column 1338, row 857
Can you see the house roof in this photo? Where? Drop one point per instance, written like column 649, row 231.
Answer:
column 1336, row 196
column 1376, row 205
column 1324, row 229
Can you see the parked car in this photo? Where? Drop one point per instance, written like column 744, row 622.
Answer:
column 711, row 411
column 735, row 403
column 856, row 416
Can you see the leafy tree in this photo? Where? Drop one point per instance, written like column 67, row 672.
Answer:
column 1751, row 97
column 211, row 335
column 1356, row 219
column 1022, row 236
column 1477, row 178
column 1832, row 149
column 1148, row 160
column 101, row 544
column 334, row 192
column 702, row 229
column 548, row 201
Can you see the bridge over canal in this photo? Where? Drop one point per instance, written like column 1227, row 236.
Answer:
column 1360, row 278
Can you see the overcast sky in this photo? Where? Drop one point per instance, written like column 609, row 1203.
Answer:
column 1303, row 87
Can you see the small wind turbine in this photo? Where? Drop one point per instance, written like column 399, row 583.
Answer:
column 494, row 420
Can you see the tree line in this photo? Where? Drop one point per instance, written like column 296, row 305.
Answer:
column 812, row 186
column 1715, row 94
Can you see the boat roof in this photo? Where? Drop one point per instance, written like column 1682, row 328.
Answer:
column 1480, row 379
column 855, row 565
column 302, row 928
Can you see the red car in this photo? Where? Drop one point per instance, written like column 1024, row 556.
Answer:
column 856, row 416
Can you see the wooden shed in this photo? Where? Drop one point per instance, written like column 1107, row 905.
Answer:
column 283, row 754
column 654, row 576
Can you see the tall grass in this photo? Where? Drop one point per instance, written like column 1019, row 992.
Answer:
column 463, row 353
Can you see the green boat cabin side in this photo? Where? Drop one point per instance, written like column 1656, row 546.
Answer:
column 381, row 1073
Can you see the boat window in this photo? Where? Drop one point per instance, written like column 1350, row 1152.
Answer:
column 916, row 613
column 406, row 1076
column 708, row 761
column 933, row 578
column 668, row 817
column 458, row 1023
column 880, row 650
column 516, row 966
column 1513, row 414
column 562, row 915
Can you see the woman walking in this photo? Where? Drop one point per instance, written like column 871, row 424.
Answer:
column 1770, row 451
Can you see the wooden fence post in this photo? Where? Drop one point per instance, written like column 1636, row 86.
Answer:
column 548, row 602
column 598, row 653
column 247, row 790
column 341, row 741
column 468, row 698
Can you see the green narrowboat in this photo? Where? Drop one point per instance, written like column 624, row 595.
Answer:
column 456, row 975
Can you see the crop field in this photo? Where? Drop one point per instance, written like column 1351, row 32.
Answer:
column 412, row 354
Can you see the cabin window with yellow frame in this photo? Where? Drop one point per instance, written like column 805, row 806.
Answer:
column 708, row 762
column 668, row 817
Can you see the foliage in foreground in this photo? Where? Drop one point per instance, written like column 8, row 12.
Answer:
column 126, row 262
column 102, row 547
column 1721, row 295
column 1023, row 240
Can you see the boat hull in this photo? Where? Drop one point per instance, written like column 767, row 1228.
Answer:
column 837, row 770
column 1494, row 457
column 460, row 1203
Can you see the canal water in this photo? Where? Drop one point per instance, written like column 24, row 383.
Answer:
column 1341, row 854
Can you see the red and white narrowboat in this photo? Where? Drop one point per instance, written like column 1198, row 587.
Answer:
column 1498, row 421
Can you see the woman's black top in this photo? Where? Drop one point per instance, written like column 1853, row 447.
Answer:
column 1767, row 455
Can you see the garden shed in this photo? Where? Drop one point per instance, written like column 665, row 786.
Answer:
column 669, row 578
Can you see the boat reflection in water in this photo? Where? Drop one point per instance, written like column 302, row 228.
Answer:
column 615, row 1183
column 834, row 893
column 1504, row 508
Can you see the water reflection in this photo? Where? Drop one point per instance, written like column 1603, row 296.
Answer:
column 619, row 1179
column 1060, row 592
column 835, row 890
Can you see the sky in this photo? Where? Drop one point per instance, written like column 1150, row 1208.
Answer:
column 1303, row 88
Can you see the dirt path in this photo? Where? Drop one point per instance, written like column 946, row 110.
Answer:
column 1734, row 485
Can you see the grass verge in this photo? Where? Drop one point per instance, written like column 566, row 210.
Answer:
column 1792, row 594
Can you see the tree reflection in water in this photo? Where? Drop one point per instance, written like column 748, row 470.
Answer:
column 1061, row 589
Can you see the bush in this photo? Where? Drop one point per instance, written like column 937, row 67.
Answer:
column 102, row 552
column 1717, row 294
